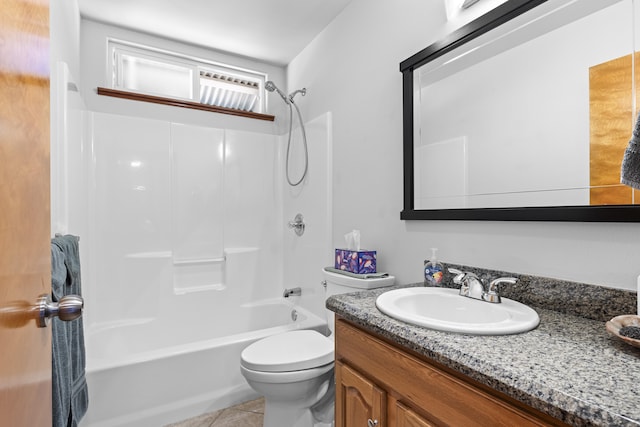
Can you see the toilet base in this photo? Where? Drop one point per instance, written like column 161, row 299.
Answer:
column 297, row 398
column 278, row 415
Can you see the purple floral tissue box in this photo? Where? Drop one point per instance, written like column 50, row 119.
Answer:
column 359, row 262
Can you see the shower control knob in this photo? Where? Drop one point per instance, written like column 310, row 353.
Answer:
column 298, row 224
column 68, row 308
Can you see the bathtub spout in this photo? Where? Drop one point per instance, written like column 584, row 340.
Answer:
column 292, row 291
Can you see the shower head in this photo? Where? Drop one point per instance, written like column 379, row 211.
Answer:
column 271, row 87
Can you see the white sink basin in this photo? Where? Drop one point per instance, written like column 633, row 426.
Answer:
column 444, row 310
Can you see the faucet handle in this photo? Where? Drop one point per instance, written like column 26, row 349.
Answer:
column 470, row 284
column 460, row 275
column 495, row 282
column 493, row 294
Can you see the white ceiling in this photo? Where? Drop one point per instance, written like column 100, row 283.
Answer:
column 269, row 30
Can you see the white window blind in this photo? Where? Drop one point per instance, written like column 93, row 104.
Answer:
column 228, row 91
column 153, row 71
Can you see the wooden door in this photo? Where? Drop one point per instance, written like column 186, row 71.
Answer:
column 25, row 254
column 359, row 402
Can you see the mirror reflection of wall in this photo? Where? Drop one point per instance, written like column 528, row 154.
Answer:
column 541, row 123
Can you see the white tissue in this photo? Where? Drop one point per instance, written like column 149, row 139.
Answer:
column 353, row 240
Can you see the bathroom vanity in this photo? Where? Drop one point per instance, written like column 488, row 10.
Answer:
column 567, row 371
column 381, row 382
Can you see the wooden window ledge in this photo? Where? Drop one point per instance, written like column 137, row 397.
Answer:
column 183, row 104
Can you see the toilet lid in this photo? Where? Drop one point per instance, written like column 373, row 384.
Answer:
column 289, row 351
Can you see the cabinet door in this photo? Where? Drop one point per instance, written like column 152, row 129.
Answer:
column 405, row 417
column 359, row 402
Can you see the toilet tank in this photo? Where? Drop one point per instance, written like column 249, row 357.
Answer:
column 337, row 283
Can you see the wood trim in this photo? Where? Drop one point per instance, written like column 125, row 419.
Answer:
column 180, row 103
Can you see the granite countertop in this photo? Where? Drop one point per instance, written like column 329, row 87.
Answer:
column 568, row 367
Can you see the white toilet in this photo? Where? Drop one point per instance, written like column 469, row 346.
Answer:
column 294, row 370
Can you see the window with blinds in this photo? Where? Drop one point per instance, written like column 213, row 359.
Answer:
column 157, row 72
column 228, row 91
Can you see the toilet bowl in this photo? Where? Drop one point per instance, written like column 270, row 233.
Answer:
column 294, row 370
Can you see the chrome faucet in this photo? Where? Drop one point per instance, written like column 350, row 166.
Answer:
column 472, row 286
column 292, row 291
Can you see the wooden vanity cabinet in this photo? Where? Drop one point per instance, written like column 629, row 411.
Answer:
column 381, row 385
column 360, row 402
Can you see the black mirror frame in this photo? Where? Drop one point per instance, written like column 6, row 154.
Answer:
column 503, row 13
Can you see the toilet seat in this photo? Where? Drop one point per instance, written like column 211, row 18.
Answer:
column 285, row 377
column 289, row 351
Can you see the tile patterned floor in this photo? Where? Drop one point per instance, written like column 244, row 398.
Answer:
column 248, row 414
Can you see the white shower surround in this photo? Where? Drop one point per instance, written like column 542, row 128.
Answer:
column 128, row 181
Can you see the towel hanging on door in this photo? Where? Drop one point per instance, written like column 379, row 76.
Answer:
column 70, row 397
column 630, row 171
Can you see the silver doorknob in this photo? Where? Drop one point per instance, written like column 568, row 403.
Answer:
column 68, row 308
column 372, row 423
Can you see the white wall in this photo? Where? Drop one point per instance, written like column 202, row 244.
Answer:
column 351, row 69
column 458, row 17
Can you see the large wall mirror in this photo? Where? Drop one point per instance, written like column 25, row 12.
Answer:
column 524, row 114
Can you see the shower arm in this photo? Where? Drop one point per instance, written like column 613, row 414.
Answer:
column 302, row 91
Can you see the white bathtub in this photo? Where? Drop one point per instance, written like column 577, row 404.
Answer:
column 141, row 372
